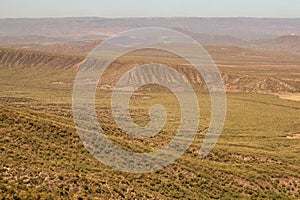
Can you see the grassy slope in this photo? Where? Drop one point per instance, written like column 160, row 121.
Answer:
column 42, row 155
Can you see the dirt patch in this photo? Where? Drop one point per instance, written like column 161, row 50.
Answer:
column 295, row 136
column 59, row 83
column 290, row 96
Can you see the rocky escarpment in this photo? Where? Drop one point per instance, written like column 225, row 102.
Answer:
column 233, row 82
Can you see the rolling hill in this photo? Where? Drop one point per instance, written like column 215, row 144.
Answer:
column 42, row 156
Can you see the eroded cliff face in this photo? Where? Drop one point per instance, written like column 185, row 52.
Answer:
column 233, row 82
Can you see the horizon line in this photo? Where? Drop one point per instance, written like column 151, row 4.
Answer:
column 149, row 17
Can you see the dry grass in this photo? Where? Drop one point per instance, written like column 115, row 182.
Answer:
column 42, row 156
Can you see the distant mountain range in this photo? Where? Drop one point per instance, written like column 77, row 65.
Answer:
column 289, row 43
column 242, row 28
column 80, row 35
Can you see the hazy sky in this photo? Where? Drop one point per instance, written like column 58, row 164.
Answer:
column 150, row 8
